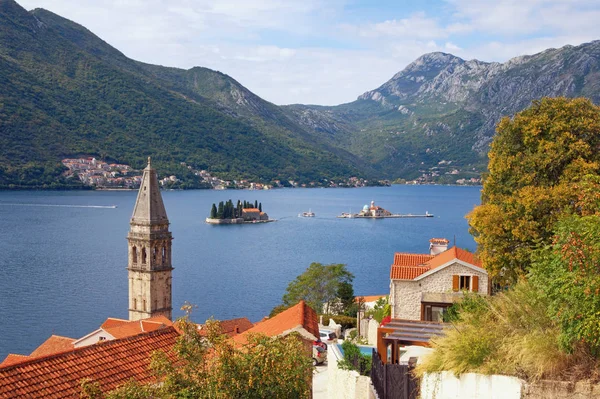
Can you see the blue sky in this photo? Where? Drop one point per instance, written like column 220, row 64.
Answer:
column 326, row 51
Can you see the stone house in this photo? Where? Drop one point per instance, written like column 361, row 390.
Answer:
column 423, row 286
column 252, row 214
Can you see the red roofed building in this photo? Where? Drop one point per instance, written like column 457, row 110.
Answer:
column 110, row 364
column 250, row 214
column 119, row 328
column 423, row 285
column 300, row 318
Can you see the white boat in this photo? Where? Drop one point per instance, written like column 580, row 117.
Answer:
column 309, row 214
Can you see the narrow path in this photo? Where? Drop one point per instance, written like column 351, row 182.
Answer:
column 320, row 382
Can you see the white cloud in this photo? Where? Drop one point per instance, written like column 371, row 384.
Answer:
column 310, row 51
column 416, row 26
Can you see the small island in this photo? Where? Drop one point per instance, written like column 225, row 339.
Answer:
column 377, row 212
column 242, row 212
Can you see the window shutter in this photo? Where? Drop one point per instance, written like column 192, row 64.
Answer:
column 475, row 286
column 455, row 282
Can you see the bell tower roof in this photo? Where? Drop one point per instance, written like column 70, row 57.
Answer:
column 149, row 207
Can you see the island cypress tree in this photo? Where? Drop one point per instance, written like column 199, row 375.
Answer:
column 213, row 211
column 220, row 210
column 260, row 206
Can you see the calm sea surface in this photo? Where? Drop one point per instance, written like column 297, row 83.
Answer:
column 62, row 268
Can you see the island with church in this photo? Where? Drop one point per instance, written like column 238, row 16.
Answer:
column 241, row 213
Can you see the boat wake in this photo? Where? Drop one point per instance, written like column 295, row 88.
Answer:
column 62, row 205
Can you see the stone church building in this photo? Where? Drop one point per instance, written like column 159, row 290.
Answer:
column 149, row 267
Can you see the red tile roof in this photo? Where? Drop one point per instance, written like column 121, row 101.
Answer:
column 110, row 363
column 442, row 241
column 130, row 328
column 112, row 322
column 404, row 259
column 241, row 324
column 13, row 358
column 410, row 266
column 301, row 318
column 54, row 344
column 369, row 298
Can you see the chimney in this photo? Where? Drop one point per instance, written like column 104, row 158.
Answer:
column 438, row 245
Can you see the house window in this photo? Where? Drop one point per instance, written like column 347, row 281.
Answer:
column 434, row 311
column 464, row 283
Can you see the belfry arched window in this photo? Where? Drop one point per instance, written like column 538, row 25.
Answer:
column 134, row 254
column 154, row 253
column 144, row 255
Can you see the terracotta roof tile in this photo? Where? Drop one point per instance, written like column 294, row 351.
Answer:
column 454, row 253
column 300, row 317
column 130, row 328
column 241, row 324
column 111, row 364
column 407, row 272
column 369, row 298
column 442, row 241
column 404, row 259
column 54, row 344
column 13, row 358
column 112, row 322
column 410, row 266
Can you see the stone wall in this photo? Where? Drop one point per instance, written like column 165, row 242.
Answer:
column 345, row 384
column 405, row 296
column 445, row 385
column 561, row 390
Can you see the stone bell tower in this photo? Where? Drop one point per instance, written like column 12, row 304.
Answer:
column 149, row 240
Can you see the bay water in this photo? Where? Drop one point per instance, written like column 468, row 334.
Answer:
column 64, row 253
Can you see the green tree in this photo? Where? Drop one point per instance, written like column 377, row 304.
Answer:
column 317, row 285
column 220, row 214
column 538, row 163
column 345, row 295
column 213, row 211
column 568, row 272
column 211, row 366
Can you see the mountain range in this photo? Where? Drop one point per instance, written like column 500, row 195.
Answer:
column 64, row 92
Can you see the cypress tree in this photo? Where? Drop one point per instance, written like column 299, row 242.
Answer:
column 220, row 211
column 260, row 206
column 255, row 203
column 213, row 211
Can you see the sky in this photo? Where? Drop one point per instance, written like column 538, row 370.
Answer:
column 325, row 52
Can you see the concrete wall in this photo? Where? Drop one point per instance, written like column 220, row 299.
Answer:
column 405, row 296
column 345, row 384
column 445, row 385
column 372, row 332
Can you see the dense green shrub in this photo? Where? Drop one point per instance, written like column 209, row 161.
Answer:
column 354, row 359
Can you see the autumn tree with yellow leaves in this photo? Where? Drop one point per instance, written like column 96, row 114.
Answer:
column 544, row 164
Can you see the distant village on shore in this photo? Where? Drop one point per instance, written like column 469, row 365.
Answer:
column 102, row 175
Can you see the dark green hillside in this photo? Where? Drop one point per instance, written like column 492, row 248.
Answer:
column 65, row 92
